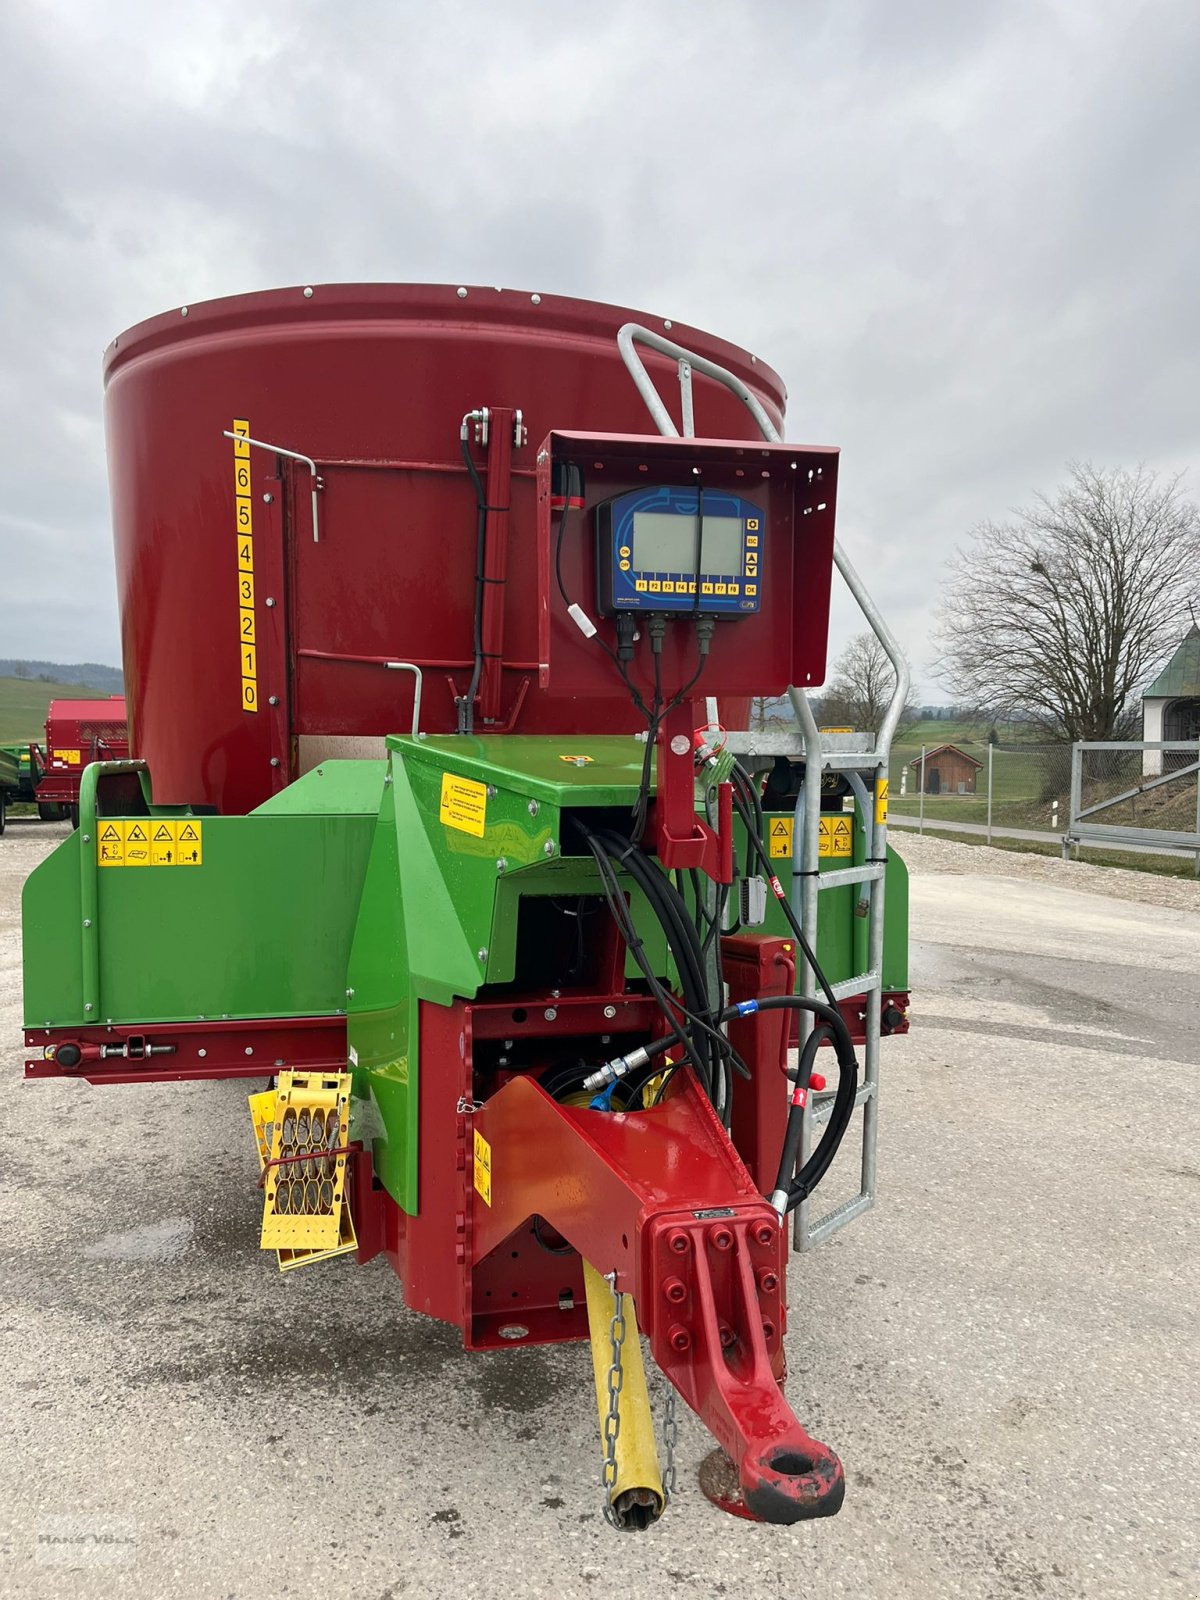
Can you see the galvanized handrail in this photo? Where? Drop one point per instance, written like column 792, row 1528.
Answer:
column 806, row 840
column 688, row 361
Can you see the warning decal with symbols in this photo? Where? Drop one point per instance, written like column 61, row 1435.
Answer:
column 149, row 842
column 837, row 837
column 483, row 1169
column 189, row 844
column 464, row 804
column 110, row 843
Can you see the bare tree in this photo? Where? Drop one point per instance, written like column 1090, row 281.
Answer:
column 861, row 687
column 766, row 709
column 1062, row 612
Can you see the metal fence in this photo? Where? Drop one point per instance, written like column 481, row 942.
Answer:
column 986, row 788
column 1139, row 794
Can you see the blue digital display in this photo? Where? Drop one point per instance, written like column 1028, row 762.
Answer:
column 666, row 548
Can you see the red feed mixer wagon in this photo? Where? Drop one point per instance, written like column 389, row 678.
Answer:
column 442, row 610
column 78, row 732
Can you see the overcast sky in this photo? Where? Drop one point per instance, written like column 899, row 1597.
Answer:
column 964, row 231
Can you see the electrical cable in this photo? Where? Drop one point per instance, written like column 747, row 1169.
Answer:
column 754, row 833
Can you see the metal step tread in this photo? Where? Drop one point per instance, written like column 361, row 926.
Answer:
column 867, row 873
column 822, row 1104
column 864, row 983
column 839, row 1217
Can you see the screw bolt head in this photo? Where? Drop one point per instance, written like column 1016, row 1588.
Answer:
column 681, row 1340
column 610, row 1012
column 550, row 1013
column 765, row 1233
column 533, row 808
column 768, row 1282
column 675, row 1290
column 720, row 1238
column 679, row 1243
column 482, row 953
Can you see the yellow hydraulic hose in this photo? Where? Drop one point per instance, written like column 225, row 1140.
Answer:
column 636, row 1496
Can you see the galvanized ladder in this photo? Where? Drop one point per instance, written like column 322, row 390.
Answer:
column 863, row 759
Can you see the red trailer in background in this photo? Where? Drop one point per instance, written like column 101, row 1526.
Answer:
column 77, row 732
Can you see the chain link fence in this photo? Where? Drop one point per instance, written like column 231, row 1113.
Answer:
column 980, row 785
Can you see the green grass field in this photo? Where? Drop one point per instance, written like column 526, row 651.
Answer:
column 1019, row 774
column 23, row 705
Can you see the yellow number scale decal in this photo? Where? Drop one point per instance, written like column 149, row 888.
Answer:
column 244, row 529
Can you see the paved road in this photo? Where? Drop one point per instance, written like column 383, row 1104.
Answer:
column 979, row 830
column 1004, row 1351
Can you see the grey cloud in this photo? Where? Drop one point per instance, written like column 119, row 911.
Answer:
column 965, row 235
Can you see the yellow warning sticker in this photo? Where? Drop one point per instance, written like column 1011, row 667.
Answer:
column 189, row 843
column 835, row 730
column 149, row 842
column 779, row 837
column 837, row 837
column 464, row 805
column 110, row 843
column 71, row 757
column 483, row 1169
column 137, row 844
column 881, row 799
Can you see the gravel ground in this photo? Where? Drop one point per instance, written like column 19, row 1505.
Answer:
column 1003, row 1351
column 925, row 854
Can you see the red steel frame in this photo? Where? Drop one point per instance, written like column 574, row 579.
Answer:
column 662, row 1198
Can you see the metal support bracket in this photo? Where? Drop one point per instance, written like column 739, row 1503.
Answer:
column 292, row 455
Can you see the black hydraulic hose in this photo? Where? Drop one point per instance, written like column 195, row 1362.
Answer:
column 831, row 1024
column 633, row 942
column 669, row 905
column 790, row 1155
column 671, row 914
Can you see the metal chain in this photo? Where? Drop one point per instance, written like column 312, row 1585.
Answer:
column 612, row 1422
column 670, row 1435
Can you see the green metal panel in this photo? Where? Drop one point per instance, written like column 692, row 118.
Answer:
column 261, row 928
column 440, row 907
column 341, row 787
column 564, row 771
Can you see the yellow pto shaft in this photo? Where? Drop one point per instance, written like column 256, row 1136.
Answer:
column 635, row 1496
